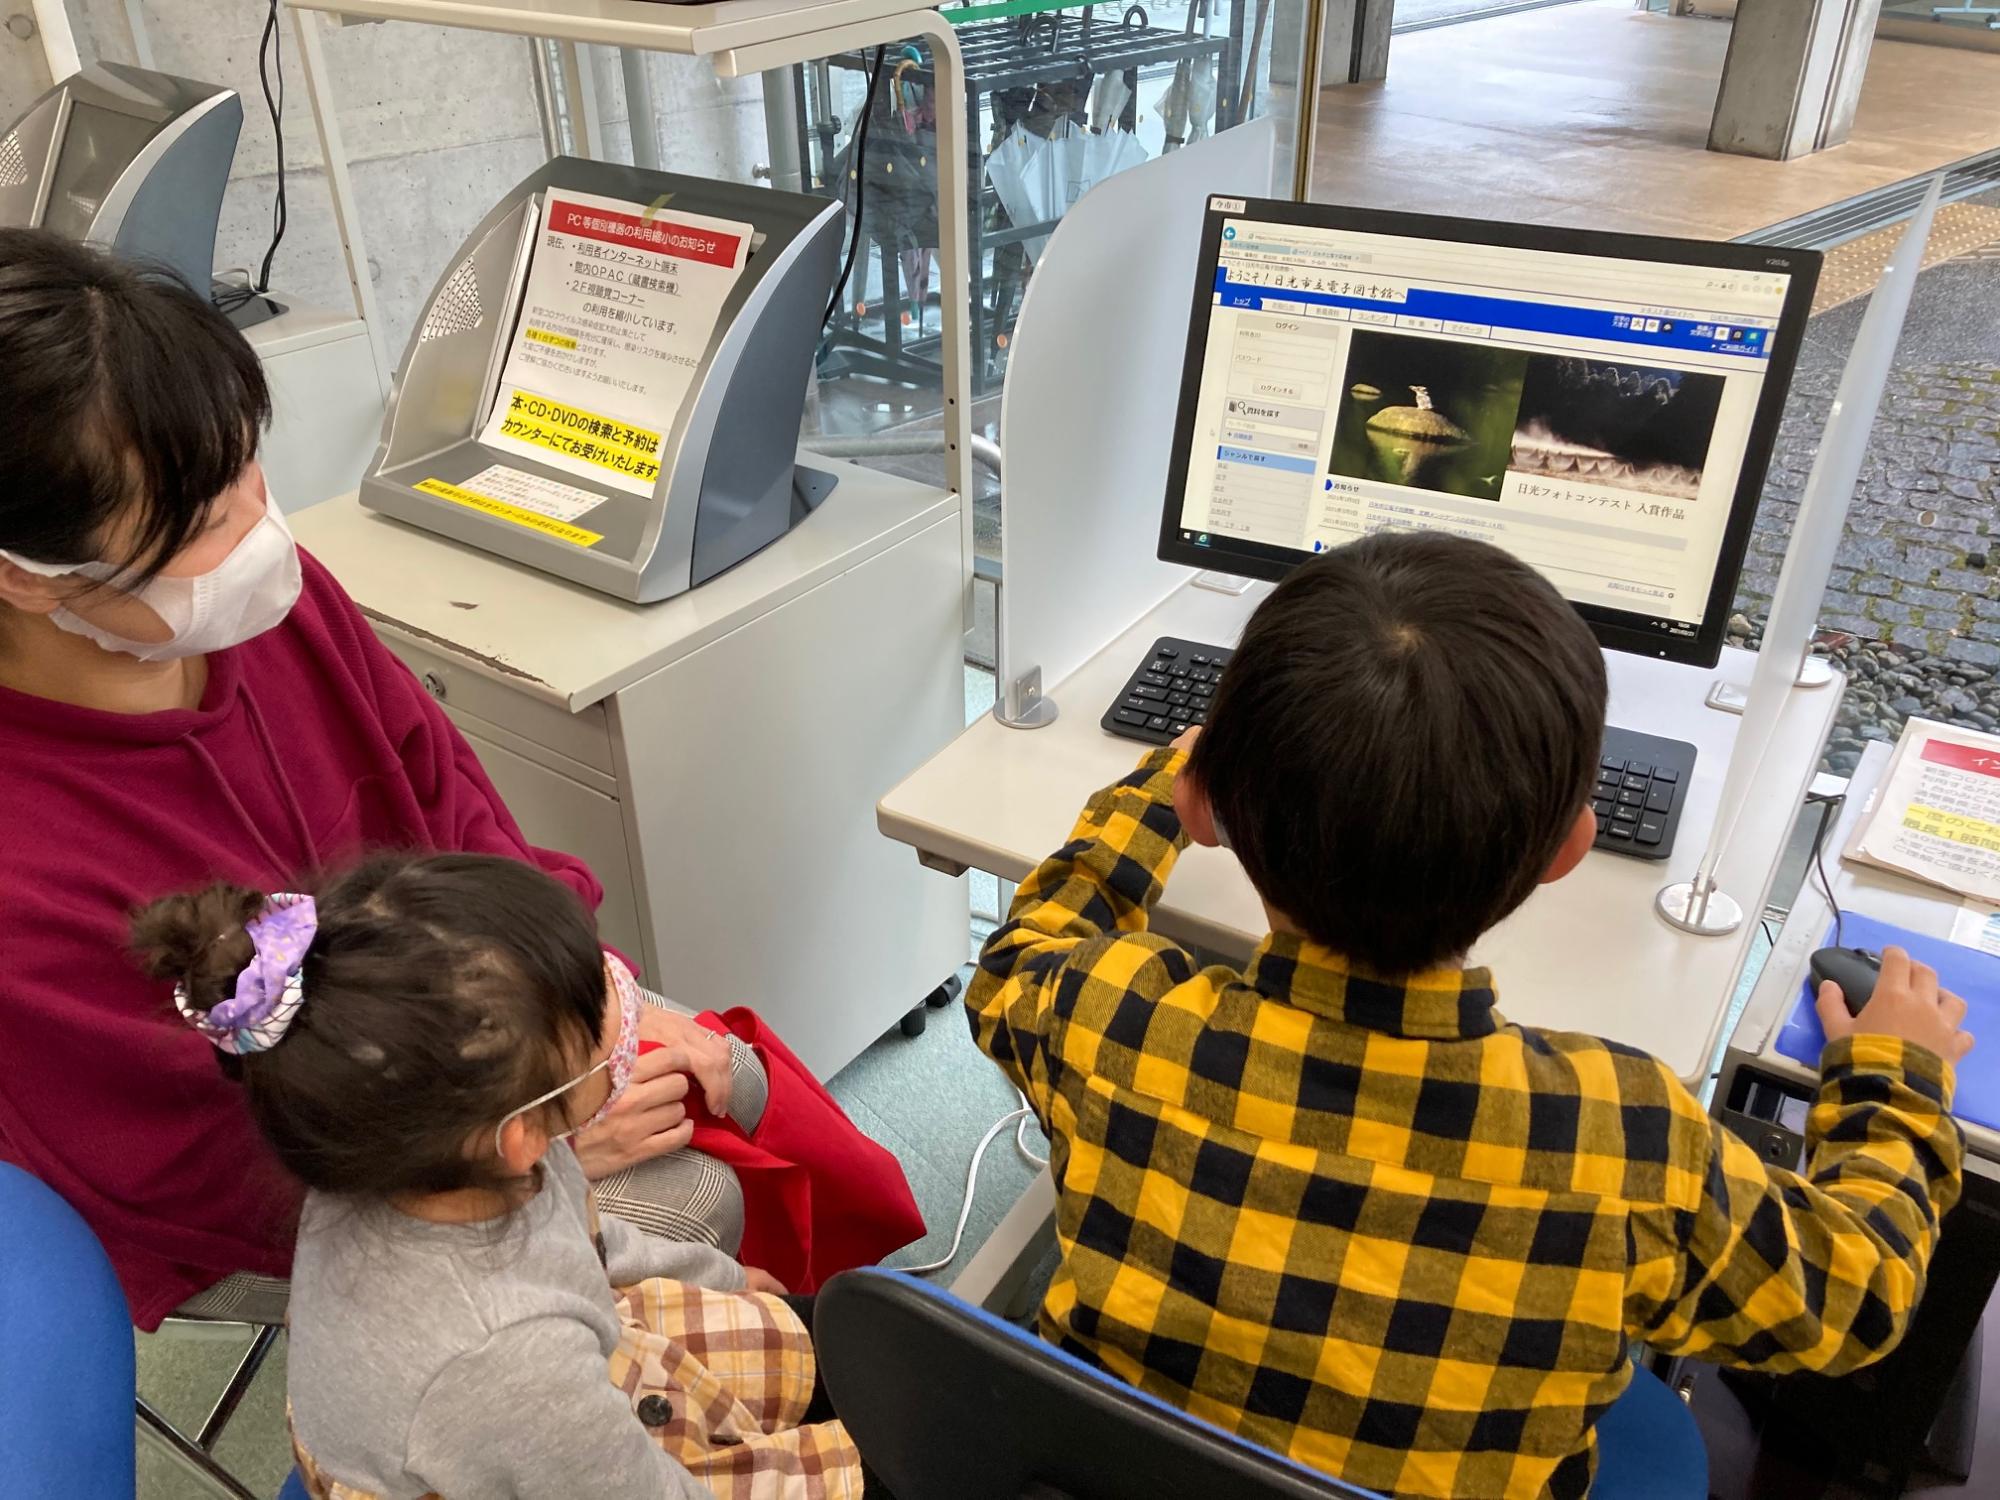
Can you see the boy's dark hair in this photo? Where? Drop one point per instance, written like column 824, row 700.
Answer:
column 1401, row 742
column 441, row 992
column 131, row 390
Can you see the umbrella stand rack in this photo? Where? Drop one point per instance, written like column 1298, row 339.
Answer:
column 1035, row 66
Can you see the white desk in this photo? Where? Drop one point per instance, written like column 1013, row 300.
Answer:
column 1585, row 954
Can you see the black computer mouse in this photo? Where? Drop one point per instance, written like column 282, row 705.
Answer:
column 1853, row 969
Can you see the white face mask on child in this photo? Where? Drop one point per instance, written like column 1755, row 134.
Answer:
column 623, row 1055
column 247, row 593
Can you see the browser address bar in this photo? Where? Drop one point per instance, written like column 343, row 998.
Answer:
column 1703, row 295
column 1482, row 271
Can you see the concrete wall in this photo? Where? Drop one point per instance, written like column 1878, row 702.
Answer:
column 438, row 124
column 23, row 75
column 708, row 126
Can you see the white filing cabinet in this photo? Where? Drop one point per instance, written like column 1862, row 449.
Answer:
column 717, row 757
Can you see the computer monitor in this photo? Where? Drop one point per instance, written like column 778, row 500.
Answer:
column 127, row 158
column 1601, row 405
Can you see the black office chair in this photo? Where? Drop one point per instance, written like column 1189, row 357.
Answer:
column 951, row 1403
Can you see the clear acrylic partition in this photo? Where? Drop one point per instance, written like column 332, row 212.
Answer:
column 1091, row 402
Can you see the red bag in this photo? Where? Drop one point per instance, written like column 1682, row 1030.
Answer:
column 818, row 1195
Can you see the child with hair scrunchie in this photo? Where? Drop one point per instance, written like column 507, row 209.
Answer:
column 418, row 1041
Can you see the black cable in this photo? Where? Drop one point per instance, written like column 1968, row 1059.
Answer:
column 859, row 157
column 270, row 49
column 1827, row 807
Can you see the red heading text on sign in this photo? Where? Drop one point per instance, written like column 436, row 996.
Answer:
column 662, row 235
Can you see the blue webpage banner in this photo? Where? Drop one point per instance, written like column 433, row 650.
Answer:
column 1506, row 314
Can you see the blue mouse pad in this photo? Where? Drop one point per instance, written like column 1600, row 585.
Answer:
column 1973, row 976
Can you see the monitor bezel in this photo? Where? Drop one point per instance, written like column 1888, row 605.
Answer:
column 1614, row 629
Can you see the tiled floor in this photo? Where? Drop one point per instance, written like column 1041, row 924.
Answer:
column 1598, row 114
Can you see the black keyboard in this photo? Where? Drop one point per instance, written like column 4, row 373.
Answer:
column 1642, row 779
column 1170, row 692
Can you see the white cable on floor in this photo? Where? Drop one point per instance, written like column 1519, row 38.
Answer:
column 1019, row 1119
column 1021, row 1136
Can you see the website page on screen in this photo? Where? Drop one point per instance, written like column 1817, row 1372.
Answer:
column 1588, row 414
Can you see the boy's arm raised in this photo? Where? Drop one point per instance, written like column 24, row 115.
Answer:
column 1775, row 1270
column 1094, row 890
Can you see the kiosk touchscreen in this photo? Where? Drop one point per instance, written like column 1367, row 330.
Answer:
column 1602, row 406
column 608, row 381
column 126, row 158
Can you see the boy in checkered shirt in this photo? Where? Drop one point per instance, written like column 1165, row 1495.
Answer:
column 1339, row 1204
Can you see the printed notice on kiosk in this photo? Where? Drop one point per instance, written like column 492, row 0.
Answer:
column 619, row 306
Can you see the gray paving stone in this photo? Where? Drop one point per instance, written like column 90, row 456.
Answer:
column 1982, row 653
column 1931, row 598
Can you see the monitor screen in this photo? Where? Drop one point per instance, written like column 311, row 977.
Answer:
column 98, row 144
column 1602, row 406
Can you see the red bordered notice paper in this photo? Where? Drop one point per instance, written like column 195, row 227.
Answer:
column 621, row 300
column 1936, row 815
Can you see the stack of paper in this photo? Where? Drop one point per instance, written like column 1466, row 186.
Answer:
column 1936, row 815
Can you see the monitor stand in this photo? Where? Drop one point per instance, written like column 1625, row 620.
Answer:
column 1222, row 583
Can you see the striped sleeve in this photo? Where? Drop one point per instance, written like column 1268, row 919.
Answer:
column 1095, row 889
column 1774, row 1270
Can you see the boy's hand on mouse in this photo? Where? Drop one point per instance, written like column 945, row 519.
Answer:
column 650, row 1119
column 1907, row 1004
column 695, row 1050
column 755, row 1280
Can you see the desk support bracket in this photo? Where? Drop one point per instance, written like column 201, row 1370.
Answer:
column 1699, row 906
column 1022, row 705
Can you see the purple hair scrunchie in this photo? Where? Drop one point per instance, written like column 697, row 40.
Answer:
column 269, row 990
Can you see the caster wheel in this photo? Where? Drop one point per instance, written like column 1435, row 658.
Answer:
column 913, row 1024
column 945, row 993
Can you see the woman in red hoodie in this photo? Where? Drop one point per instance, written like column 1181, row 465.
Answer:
column 186, row 698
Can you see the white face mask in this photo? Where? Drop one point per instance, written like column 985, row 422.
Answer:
column 240, row 598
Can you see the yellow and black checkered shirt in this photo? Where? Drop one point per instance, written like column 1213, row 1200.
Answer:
column 1376, row 1227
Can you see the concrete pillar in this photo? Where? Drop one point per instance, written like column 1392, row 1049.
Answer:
column 1353, row 46
column 1354, row 42
column 1793, row 76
